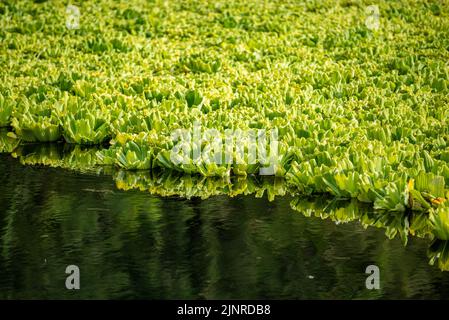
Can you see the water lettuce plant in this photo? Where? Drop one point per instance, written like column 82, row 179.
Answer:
column 133, row 156
column 85, row 127
column 6, row 108
column 39, row 128
column 439, row 219
column 34, row 122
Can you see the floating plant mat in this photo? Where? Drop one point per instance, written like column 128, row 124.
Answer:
column 360, row 108
column 360, row 111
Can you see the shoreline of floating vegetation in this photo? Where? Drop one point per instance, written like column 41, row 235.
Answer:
column 360, row 113
column 168, row 183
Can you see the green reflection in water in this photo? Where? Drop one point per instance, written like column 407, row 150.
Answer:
column 7, row 144
column 241, row 243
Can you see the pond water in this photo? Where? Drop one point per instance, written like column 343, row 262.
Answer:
column 131, row 244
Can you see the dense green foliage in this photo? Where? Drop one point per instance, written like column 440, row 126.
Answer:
column 361, row 113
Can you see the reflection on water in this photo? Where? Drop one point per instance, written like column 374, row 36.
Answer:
column 130, row 242
column 7, row 144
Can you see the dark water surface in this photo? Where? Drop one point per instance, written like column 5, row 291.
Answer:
column 130, row 244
